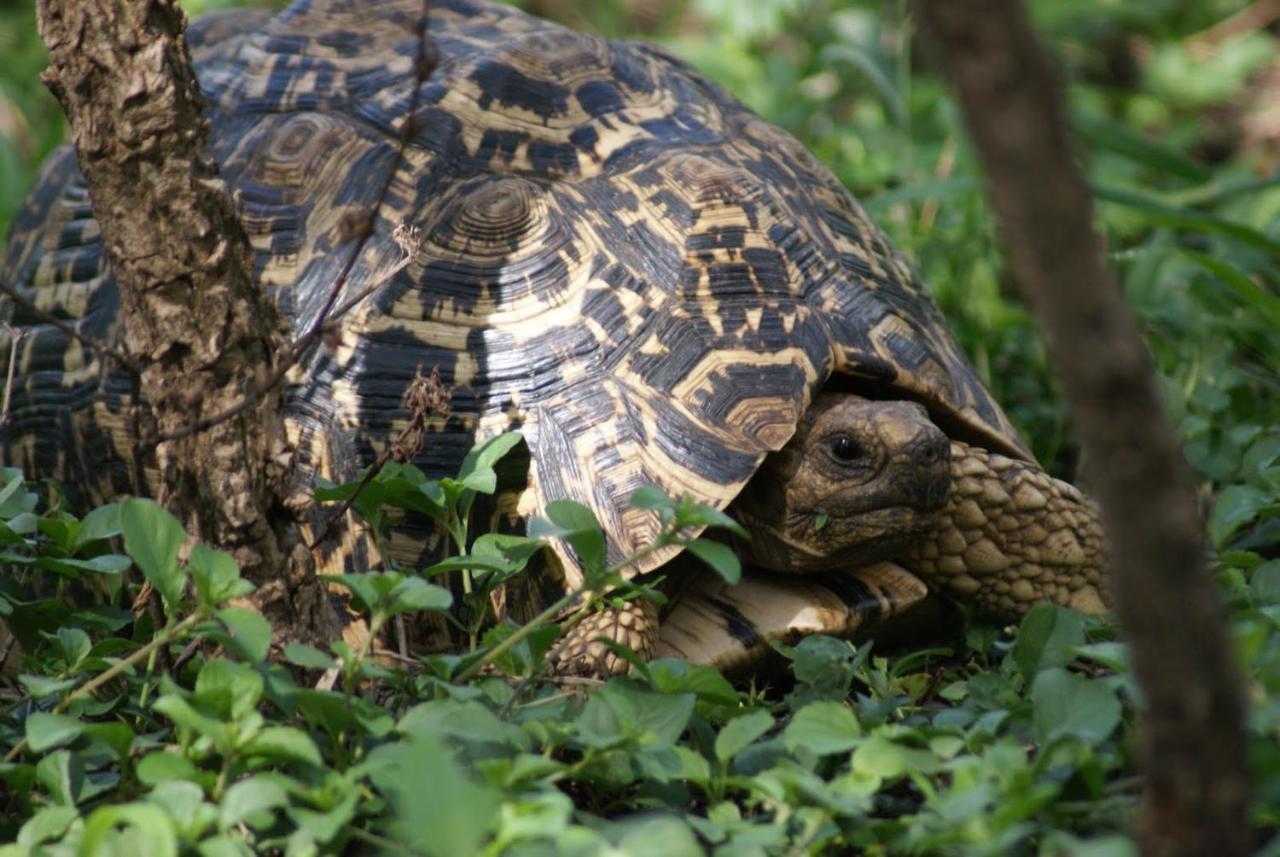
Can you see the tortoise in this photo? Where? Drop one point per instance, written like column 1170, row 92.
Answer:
column 615, row 257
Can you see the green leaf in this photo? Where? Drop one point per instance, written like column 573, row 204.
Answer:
column 158, row 767
column 651, row 497
column 577, row 525
column 308, row 656
column 823, row 727
column 1235, row 506
column 1068, row 704
column 1105, row 134
column 476, row 471
column 153, row 538
column 249, row 801
column 102, row 523
column 75, row 645
column 433, row 806
column 41, row 686
column 1248, row 292
column 104, row 564
column 46, row 731
column 741, row 731
column 389, row 593
column 247, row 632
column 719, row 556
column 284, row 744
column 622, row 710
column 152, row 832
column 461, row 721
column 229, row 689
column 1162, row 213
column 216, row 576
column 880, row 757
column 62, row 774
column 524, row 656
column 47, row 825
column 1046, row 637
column 414, row 593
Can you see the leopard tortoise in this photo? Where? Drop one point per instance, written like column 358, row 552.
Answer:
column 615, row 257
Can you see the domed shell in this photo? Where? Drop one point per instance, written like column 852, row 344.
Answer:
column 614, row 256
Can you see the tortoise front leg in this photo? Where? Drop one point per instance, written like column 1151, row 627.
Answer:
column 1010, row 536
column 730, row 627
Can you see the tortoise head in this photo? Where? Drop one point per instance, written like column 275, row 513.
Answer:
column 858, row 482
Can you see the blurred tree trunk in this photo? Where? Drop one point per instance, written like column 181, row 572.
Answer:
column 200, row 327
column 1192, row 739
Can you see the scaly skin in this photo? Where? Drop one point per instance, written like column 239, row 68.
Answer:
column 1010, row 535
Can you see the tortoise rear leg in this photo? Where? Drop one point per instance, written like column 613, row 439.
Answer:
column 583, row 651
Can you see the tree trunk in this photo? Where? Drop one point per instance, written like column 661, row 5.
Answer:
column 1192, row 740
column 200, row 327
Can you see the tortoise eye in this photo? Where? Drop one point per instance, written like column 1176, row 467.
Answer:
column 844, row 448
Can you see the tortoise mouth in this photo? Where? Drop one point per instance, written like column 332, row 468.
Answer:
column 839, row 546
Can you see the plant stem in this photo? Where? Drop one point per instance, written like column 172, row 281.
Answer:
column 161, row 639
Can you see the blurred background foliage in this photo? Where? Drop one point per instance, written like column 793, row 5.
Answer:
column 1176, row 105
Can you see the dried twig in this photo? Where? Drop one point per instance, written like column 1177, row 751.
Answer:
column 423, row 397
column 15, row 337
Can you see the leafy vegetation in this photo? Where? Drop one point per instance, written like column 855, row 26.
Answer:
column 160, row 734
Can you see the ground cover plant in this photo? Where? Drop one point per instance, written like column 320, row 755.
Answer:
column 171, row 732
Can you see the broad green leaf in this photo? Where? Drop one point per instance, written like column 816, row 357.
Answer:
column 1235, row 506
column 1116, row 137
column 741, row 731
column 106, row 563
column 154, row 835
column 1046, row 638
column 284, row 744
column 414, row 593
column 247, row 799
column 880, row 757
column 216, row 576
column 719, row 556
column 42, row 686
column 247, row 632
column 102, row 523
column 433, row 805
column 1069, row 704
column 308, row 656
column 46, row 731
column 62, row 774
column 823, row 727
column 229, row 689
column 47, row 825
column 476, row 471
column 160, row 766
column 153, row 538
column 651, row 497
column 577, row 525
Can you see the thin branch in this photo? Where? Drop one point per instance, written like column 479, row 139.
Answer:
column 101, row 348
column 1192, row 739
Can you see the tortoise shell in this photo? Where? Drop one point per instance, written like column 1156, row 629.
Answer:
column 615, row 257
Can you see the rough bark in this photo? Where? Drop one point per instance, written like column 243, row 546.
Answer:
column 1191, row 738
column 196, row 322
